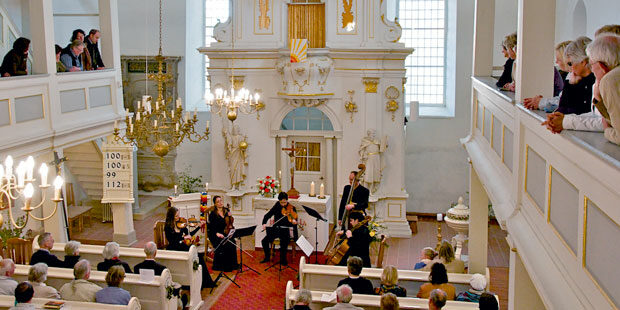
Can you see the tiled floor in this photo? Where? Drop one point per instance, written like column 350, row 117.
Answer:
column 403, row 253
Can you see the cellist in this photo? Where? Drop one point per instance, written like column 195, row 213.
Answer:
column 220, row 221
column 359, row 239
column 284, row 216
column 359, row 201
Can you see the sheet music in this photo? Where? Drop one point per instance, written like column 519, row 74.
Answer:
column 329, row 297
column 305, row 246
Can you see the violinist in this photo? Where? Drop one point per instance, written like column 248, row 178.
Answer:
column 178, row 237
column 284, row 217
column 220, row 223
column 359, row 239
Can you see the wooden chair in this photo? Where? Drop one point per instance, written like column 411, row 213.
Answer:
column 19, row 250
column 382, row 246
column 275, row 242
column 159, row 236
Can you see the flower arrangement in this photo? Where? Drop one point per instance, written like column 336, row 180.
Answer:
column 268, row 186
column 375, row 228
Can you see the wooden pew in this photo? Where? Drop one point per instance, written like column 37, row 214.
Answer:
column 151, row 295
column 180, row 264
column 372, row 302
column 7, row 302
column 325, row 278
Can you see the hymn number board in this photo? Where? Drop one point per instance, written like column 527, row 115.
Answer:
column 117, row 173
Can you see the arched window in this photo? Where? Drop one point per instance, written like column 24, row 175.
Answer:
column 305, row 118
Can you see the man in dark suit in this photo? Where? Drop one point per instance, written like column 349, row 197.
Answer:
column 150, row 249
column 43, row 255
column 359, row 201
column 360, row 285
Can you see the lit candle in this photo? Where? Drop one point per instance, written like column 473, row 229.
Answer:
column 322, row 190
column 1, row 173
column 28, row 192
column 138, row 116
column 195, row 112
column 280, row 175
column 172, row 114
column 29, row 167
column 178, row 103
column 115, row 124
column 156, row 105
column 177, row 126
column 312, row 193
column 21, row 173
column 155, row 123
column 139, row 104
column 186, row 116
column 43, row 172
column 207, row 187
column 439, row 217
column 207, row 124
column 8, row 165
column 130, row 128
column 57, row 186
column 175, row 189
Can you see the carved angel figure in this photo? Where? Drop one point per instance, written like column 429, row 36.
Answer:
column 370, row 153
column 235, row 149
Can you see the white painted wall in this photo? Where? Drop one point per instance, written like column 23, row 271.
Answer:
column 505, row 23
column 598, row 13
column 16, row 10
column 64, row 25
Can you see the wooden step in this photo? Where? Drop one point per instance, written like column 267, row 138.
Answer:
column 85, row 164
column 86, row 171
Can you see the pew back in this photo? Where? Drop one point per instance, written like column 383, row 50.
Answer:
column 326, row 278
column 152, row 295
column 7, row 302
column 180, row 264
column 372, row 302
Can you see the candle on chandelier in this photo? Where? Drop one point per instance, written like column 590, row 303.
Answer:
column 57, row 186
column 312, row 192
column 138, row 116
column 207, row 124
column 1, row 173
column 175, row 189
column 130, row 128
column 177, row 127
column 172, row 114
column 43, row 172
column 21, row 173
column 115, row 124
column 127, row 112
column 195, row 112
column 8, row 167
column 155, row 123
column 439, row 217
column 28, row 192
column 138, row 102
column 280, row 175
column 130, row 121
column 29, row 167
column 256, row 97
column 157, row 105
column 207, row 187
column 186, row 116
column 322, row 190
column 178, row 103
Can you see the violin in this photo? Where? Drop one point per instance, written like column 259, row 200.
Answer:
column 191, row 222
column 229, row 219
column 290, row 213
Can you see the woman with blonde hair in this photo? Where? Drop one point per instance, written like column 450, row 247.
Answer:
column 509, row 45
column 446, row 257
column 113, row 294
column 426, row 257
column 389, row 283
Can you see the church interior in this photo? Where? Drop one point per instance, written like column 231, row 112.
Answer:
column 309, row 154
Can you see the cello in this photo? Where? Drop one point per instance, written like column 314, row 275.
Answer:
column 341, row 249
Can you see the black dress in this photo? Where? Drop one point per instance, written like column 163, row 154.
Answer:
column 175, row 243
column 225, row 257
column 359, row 245
column 506, row 76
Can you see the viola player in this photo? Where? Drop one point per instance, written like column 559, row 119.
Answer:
column 220, row 223
column 284, row 217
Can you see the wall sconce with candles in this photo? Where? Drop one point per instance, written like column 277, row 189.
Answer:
column 20, row 184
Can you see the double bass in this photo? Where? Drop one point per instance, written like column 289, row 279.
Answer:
column 333, row 246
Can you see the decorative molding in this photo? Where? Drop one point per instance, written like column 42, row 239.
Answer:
column 392, row 93
column 237, row 81
column 370, row 84
column 222, row 32
column 349, row 105
column 394, row 30
column 305, row 102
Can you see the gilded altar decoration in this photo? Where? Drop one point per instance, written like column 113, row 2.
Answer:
column 299, row 50
column 305, row 79
column 371, row 151
column 347, row 15
column 392, row 93
column 349, row 105
column 370, row 84
column 263, row 19
column 236, row 146
column 307, row 21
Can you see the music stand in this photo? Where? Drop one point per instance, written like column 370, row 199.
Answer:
column 222, row 274
column 243, row 232
column 279, row 262
column 317, row 217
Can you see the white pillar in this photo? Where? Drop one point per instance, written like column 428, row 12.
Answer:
column 124, row 232
column 535, row 49
column 484, row 21
column 522, row 293
column 110, row 40
column 42, row 37
column 478, row 224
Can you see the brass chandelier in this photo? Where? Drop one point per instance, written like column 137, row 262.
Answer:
column 155, row 126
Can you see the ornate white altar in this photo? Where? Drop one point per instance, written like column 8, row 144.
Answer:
column 305, row 226
column 352, row 82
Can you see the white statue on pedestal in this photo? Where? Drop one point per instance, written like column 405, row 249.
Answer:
column 370, row 154
column 236, row 145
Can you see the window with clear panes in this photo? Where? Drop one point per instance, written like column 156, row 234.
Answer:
column 215, row 11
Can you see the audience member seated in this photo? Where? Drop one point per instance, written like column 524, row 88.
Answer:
column 72, row 253
column 23, row 296
column 437, row 299
column 92, row 47
column 111, row 252
column 550, row 104
column 15, row 62
column 508, row 49
column 488, row 302
column 150, row 249
column 438, row 279
column 43, row 255
column 389, row 283
column 37, row 276
column 576, row 97
column 80, row 289
column 447, row 258
column 70, row 56
column 359, row 285
column 426, row 257
column 389, row 302
column 85, row 59
column 604, row 55
column 7, row 284
column 344, row 294
column 113, row 294
column 302, row 300
column 60, row 67
column 608, row 29
column 478, row 285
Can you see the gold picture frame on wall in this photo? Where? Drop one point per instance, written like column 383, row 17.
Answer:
column 347, row 17
column 263, row 17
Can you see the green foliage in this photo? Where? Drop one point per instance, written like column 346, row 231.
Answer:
column 7, row 231
column 187, row 182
